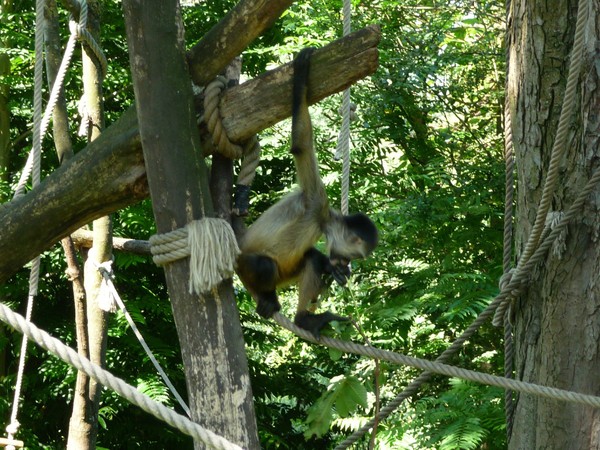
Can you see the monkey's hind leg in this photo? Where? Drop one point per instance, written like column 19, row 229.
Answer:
column 311, row 284
column 259, row 275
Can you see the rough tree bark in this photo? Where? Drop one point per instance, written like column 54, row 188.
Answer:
column 557, row 324
column 212, row 346
column 109, row 173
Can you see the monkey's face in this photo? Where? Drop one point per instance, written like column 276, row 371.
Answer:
column 350, row 237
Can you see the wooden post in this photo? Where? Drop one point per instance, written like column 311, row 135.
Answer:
column 209, row 331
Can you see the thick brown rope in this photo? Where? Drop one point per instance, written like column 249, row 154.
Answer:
column 214, row 123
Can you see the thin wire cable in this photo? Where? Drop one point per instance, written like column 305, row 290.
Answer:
column 107, row 275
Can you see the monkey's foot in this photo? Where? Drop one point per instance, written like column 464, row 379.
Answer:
column 316, row 322
column 267, row 304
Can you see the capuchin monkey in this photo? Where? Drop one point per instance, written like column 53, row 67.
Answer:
column 278, row 248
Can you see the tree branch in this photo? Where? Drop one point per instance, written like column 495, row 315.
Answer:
column 109, row 173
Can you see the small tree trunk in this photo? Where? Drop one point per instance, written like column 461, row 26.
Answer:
column 5, row 8
column 91, row 323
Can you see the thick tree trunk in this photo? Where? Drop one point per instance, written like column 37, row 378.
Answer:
column 208, row 326
column 109, row 173
column 557, row 325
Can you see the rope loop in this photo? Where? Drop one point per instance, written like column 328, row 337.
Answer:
column 79, row 31
column 211, row 245
column 214, row 122
column 505, row 279
column 249, row 150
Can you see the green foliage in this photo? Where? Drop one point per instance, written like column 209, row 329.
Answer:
column 464, row 417
column 344, row 395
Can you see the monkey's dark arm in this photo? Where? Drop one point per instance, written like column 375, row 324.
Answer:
column 315, row 276
column 325, row 269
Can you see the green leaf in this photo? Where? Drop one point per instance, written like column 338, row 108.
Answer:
column 349, row 394
column 319, row 417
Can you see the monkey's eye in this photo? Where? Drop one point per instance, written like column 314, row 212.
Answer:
column 343, row 262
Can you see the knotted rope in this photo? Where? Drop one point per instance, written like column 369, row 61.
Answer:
column 515, row 282
column 211, row 245
column 560, row 145
column 249, row 150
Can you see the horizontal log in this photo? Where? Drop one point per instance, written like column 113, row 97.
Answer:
column 229, row 38
column 333, row 68
column 110, row 174
column 85, row 238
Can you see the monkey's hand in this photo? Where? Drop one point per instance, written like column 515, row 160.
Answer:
column 316, row 322
column 340, row 273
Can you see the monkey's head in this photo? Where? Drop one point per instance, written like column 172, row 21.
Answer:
column 350, row 237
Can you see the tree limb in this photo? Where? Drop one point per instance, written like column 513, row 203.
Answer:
column 109, row 173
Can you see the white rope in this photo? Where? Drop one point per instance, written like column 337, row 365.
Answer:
column 211, row 245
column 105, row 270
column 33, row 164
column 343, row 145
column 77, row 31
column 443, row 369
column 105, row 378
column 35, row 156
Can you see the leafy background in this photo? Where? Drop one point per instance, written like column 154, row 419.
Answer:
column 426, row 165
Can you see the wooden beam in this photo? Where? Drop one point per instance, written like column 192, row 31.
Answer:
column 4, row 442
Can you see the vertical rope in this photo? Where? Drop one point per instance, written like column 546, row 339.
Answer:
column 507, row 262
column 560, row 145
column 564, row 123
column 35, row 155
column 509, row 159
column 54, row 94
column 343, row 145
